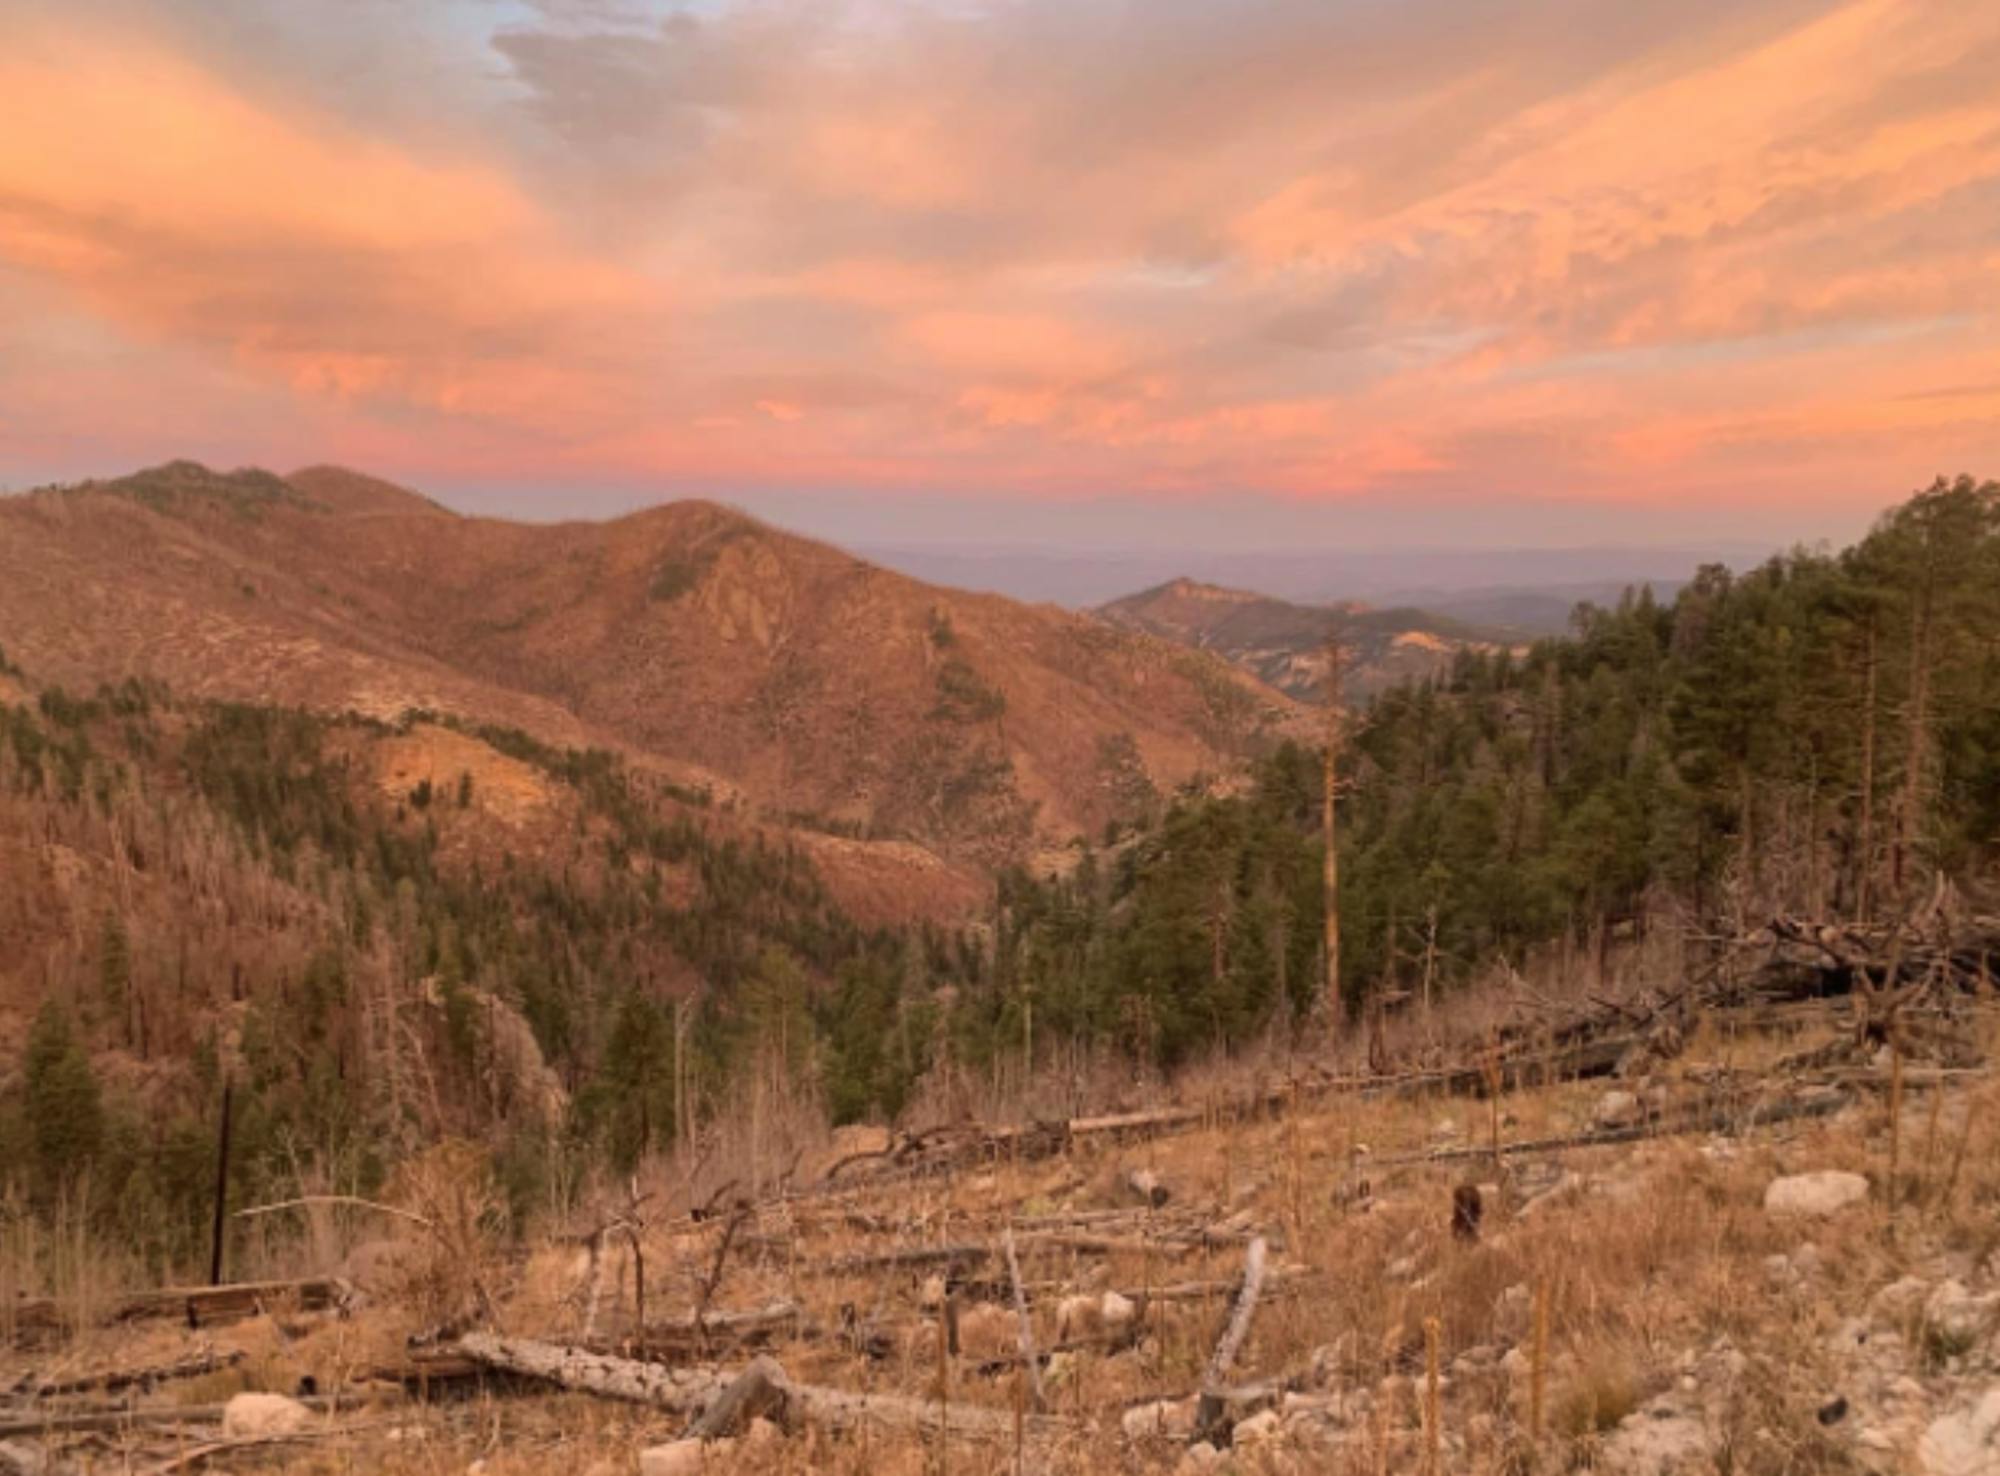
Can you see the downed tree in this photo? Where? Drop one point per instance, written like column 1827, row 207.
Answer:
column 176, row 1414
column 136, row 1376
column 691, row 1391
column 198, row 1306
column 1209, row 1410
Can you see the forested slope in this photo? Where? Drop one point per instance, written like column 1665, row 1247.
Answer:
column 1819, row 735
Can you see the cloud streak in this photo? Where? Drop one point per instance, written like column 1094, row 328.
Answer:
column 1311, row 248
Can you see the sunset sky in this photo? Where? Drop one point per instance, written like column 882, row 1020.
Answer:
column 1245, row 268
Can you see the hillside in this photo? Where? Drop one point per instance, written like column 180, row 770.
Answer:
column 747, row 660
column 1283, row 644
column 393, row 934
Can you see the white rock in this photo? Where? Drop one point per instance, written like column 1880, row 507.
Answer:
column 762, row 1434
column 1965, row 1442
column 1117, row 1312
column 1257, row 1428
column 1896, row 1305
column 681, row 1457
column 1958, row 1314
column 1825, row 1192
column 1171, row 1419
column 1660, row 1440
column 1615, row 1110
column 256, row 1416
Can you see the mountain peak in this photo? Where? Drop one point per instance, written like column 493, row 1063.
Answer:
column 358, row 494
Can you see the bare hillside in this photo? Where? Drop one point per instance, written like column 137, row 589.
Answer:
column 819, row 685
column 1283, row 644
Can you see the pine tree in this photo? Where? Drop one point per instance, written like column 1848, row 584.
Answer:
column 65, row 1110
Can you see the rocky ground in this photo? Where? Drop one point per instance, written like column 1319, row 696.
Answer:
column 1811, row 1294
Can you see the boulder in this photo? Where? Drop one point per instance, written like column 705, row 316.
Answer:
column 1965, row 1442
column 259, row 1416
column 1958, row 1315
column 1616, row 1110
column 1116, row 1312
column 1160, row 1419
column 1824, row 1192
column 1663, row 1439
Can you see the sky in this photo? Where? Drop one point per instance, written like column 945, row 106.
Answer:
column 1244, row 273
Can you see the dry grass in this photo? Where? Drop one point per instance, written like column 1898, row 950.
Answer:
column 1653, row 1256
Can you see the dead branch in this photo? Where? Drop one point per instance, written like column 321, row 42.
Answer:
column 306, row 1200
column 1027, row 1338
column 1209, row 1410
column 688, row 1391
column 145, row 1376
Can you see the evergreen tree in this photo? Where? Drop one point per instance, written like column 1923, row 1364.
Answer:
column 64, row 1108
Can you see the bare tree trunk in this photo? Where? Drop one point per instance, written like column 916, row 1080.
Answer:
column 1335, row 659
column 1864, row 881
column 1910, row 809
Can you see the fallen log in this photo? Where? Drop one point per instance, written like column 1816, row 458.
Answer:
column 431, row 1368
column 759, row 1390
column 689, row 1391
column 1208, row 1410
column 188, row 1414
column 1725, row 1118
column 113, row 1380
column 199, row 1306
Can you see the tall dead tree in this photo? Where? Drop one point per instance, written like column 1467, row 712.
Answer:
column 1335, row 662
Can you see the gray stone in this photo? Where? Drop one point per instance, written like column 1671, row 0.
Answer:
column 257, row 1416
column 1825, row 1192
column 1663, row 1439
column 1965, row 1442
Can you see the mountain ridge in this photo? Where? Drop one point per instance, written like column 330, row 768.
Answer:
column 1282, row 643
column 745, row 657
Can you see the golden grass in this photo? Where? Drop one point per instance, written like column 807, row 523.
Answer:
column 1654, row 1256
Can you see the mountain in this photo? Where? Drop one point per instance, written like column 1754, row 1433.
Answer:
column 1316, row 571
column 776, row 672
column 1528, row 612
column 1283, row 644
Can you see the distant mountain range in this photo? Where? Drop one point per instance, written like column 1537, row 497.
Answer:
column 1284, row 644
column 1531, row 590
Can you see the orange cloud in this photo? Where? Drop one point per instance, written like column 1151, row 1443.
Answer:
column 192, row 210
column 1285, row 245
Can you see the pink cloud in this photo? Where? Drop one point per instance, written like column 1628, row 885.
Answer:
column 1301, row 248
